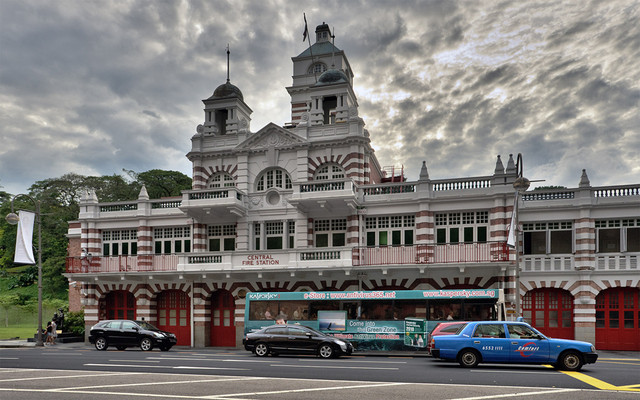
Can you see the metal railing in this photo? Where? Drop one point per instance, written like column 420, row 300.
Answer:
column 431, row 254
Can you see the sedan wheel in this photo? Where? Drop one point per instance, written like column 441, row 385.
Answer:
column 326, row 351
column 146, row 344
column 469, row 358
column 262, row 350
column 570, row 361
column 101, row 343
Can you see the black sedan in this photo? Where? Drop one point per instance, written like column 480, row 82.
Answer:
column 298, row 339
column 125, row 333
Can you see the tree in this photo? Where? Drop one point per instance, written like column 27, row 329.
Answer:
column 160, row 183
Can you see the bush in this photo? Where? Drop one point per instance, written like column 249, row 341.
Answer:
column 74, row 322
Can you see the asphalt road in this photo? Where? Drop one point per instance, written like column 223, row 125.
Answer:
column 77, row 371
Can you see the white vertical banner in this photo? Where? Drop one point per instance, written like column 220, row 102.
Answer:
column 24, row 239
column 511, row 237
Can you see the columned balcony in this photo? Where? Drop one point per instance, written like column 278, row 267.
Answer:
column 214, row 205
column 319, row 199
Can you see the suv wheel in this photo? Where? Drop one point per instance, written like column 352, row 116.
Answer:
column 146, row 344
column 101, row 343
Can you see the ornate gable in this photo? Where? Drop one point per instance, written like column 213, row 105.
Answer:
column 272, row 136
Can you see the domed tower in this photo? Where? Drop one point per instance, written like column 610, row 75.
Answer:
column 322, row 91
column 225, row 111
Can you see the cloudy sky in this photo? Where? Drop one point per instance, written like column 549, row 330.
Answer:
column 93, row 87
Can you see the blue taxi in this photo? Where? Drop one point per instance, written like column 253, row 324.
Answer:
column 511, row 342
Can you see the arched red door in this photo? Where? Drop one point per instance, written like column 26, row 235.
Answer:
column 618, row 319
column 120, row 304
column 223, row 327
column 174, row 315
column 550, row 311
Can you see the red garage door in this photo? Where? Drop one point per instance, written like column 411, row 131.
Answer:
column 223, row 329
column 174, row 315
column 550, row 311
column 617, row 319
column 120, row 304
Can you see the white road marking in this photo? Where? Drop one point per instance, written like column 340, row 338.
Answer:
column 154, row 383
column 514, row 372
column 149, row 361
column 349, row 361
column 226, row 396
column 499, row 396
column 204, row 359
column 162, row 366
column 332, row 367
column 35, row 378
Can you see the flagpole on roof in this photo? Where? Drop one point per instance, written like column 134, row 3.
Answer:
column 228, row 52
column 305, row 36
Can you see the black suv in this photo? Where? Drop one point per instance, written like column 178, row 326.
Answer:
column 122, row 333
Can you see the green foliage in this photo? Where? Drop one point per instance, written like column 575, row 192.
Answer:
column 26, row 278
column 160, row 183
column 74, row 322
column 59, row 203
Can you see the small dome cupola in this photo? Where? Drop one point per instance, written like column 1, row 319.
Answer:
column 323, row 33
column 332, row 76
column 227, row 90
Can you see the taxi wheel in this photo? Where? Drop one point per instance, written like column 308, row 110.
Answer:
column 326, row 351
column 570, row 361
column 262, row 350
column 146, row 344
column 468, row 358
column 101, row 344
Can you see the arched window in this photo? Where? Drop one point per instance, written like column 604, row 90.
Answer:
column 273, row 178
column 219, row 180
column 329, row 172
column 317, row 68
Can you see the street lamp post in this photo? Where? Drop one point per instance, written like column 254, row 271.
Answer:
column 13, row 219
column 521, row 184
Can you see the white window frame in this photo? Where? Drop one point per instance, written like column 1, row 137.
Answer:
column 459, row 220
column 222, row 233
column 172, row 239
column 329, row 172
column 221, row 180
column 377, row 227
column 114, row 239
column 273, row 178
column 330, row 228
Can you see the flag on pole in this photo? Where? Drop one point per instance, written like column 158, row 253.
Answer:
column 24, row 239
column 511, row 238
column 306, row 28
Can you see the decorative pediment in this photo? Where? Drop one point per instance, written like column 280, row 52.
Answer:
column 272, row 136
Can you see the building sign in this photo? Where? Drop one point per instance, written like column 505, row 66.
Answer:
column 259, row 260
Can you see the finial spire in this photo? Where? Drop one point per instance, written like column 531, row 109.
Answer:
column 333, row 47
column 228, row 52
